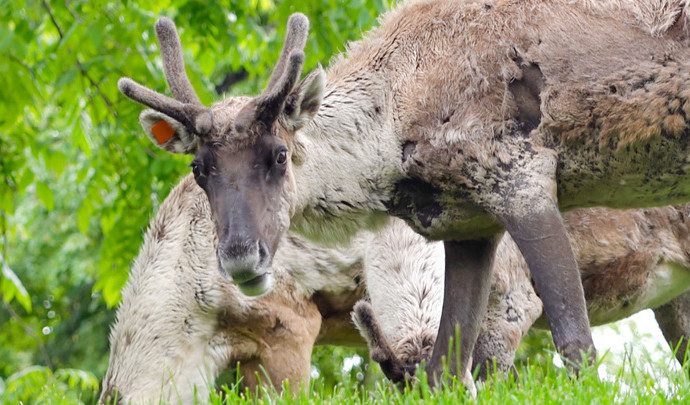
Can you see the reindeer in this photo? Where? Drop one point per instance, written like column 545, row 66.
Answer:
column 464, row 118
column 180, row 323
column 629, row 261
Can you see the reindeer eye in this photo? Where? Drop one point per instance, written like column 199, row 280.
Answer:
column 195, row 169
column 199, row 177
column 281, row 157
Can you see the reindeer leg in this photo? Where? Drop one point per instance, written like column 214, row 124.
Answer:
column 466, row 293
column 674, row 321
column 513, row 308
column 539, row 232
column 495, row 352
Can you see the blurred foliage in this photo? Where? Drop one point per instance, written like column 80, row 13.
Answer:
column 38, row 384
column 536, row 347
column 78, row 181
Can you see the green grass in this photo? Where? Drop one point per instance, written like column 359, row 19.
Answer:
column 538, row 383
column 638, row 379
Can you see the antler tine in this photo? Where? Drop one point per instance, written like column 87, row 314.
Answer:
column 272, row 101
column 295, row 39
column 186, row 106
column 173, row 62
column 196, row 118
column 159, row 102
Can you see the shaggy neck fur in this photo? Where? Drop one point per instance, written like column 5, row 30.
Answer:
column 157, row 331
column 348, row 160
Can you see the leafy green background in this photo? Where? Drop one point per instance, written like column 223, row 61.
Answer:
column 78, row 180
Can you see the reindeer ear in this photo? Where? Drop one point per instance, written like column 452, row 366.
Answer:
column 304, row 100
column 167, row 133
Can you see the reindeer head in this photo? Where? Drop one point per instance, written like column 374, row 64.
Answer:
column 242, row 149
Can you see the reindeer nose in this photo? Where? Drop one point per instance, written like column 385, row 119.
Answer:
column 239, row 249
column 244, row 263
column 239, row 259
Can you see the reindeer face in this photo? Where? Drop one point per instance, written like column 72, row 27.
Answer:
column 241, row 148
column 245, row 189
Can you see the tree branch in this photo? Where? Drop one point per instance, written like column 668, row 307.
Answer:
column 83, row 71
column 231, row 79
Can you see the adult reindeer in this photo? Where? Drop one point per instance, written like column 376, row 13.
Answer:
column 463, row 118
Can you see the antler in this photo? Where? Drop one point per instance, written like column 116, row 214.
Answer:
column 295, row 39
column 173, row 62
column 270, row 103
column 186, row 106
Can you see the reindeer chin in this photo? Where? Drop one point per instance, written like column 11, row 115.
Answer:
column 258, row 286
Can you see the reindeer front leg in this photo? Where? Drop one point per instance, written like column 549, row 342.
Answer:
column 466, row 294
column 533, row 220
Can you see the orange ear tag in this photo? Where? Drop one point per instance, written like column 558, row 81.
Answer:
column 162, row 131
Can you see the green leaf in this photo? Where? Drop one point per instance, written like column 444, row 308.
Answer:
column 111, row 285
column 84, row 216
column 55, row 161
column 77, row 379
column 45, row 195
column 12, row 287
column 81, row 136
column 66, row 78
column 6, row 199
column 95, row 34
column 25, row 179
column 108, row 222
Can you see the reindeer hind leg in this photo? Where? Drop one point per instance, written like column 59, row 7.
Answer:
column 674, row 321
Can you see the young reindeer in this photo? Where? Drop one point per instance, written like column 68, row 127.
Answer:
column 462, row 117
column 629, row 261
column 180, row 323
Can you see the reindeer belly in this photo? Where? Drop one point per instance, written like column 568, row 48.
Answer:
column 610, row 299
column 437, row 215
column 665, row 282
column 644, row 174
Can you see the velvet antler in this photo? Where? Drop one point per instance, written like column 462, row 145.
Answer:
column 186, row 106
column 295, row 40
column 270, row 103
column 173, row 62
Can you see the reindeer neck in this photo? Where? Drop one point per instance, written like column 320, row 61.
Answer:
column 350, row 159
